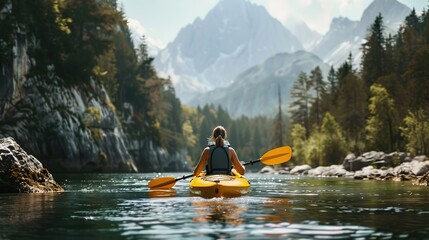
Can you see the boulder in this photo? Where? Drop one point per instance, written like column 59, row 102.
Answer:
column 302, row 169
column 267, row 170
column 353, row 163
column 328, row 171
column 374, row 158
column 20, row 172
column 419, row 168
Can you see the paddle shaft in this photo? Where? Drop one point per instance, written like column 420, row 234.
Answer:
column 252, row 162
column 184, row 177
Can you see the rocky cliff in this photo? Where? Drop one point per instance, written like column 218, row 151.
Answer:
column 69, row 128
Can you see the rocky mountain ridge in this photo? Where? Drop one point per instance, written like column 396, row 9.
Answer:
column 211, row 52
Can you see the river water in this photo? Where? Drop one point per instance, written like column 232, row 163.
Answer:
column 119, row 206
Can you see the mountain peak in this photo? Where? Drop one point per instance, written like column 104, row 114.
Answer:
column 211, row 52
column 393, row 13
column 346, row 36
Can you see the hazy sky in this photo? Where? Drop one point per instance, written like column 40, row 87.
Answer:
column 161, row 20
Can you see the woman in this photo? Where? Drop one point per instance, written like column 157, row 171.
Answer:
column 219, row 156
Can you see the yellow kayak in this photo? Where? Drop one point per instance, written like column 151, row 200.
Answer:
column 219, row 185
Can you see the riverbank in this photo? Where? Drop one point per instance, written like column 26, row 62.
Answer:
column 395, row 166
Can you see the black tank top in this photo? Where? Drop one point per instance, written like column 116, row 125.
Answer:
column 219, row 161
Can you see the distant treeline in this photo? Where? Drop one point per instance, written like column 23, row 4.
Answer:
column 384, row 106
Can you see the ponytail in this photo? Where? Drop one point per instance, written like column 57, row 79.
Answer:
column 219, row 141
column 219, row 136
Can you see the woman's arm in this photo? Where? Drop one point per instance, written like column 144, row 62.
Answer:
column 202, row 162
column 236, row 162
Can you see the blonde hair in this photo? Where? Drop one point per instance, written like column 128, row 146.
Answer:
column 219, row 136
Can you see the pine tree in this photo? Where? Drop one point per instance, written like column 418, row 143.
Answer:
column 373, row 60
column 302, row 99
column 320, row 90
column 332, row 81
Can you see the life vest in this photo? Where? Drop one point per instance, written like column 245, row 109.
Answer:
column 219, row 161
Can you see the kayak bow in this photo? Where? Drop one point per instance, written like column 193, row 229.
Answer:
column 219, row 185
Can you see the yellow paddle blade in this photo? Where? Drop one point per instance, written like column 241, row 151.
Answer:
column 277, row 156
column 162, row 183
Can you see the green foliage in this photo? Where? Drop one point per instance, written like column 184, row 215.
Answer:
column 312, row 149
column 333, row 144
column 381, row 127
column 298, row 134
column 92, row 23
column 324, row 147
column 416, row 132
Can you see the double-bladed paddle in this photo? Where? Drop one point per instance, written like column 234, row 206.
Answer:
column 274, row 156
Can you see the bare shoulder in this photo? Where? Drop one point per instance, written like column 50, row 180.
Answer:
column 231, row 150
column 206, row 150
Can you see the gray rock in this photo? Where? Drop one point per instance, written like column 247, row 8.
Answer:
column 419, row 168
column 267, row 170
column 300, row 169
column 20, row 172
column 420, row 158
column 356, row 163
column 378, row 159
column 328, row 171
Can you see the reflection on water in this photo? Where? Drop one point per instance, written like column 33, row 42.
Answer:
column 280, row 209
column 23, row 208
column 119, row 206
column 219, row 210
column 162, row 193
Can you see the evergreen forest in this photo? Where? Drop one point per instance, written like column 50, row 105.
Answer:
column 381, row 105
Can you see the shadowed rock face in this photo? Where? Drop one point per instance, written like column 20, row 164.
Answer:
column 70, row 128
column 20, row 172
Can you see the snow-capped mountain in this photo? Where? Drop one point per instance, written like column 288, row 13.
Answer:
column 211, row 52
column 254, row 92
column 346, row 36
column 137, row 32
